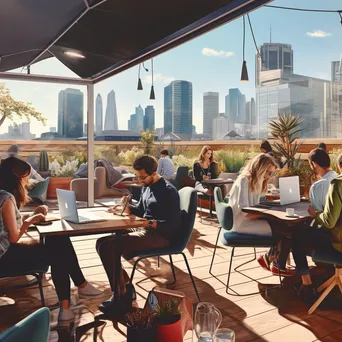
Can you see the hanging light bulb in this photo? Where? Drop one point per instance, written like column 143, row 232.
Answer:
column 244, row 72
column 140, row 87
column 152, row 95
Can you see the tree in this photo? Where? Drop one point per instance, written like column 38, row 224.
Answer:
column 147, row 140
column 286, row 129
column 9, row 108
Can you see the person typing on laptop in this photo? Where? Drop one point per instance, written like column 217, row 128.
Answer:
column 18, row 252
column 160, row 205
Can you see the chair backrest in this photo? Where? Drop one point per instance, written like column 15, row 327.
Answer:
column 40, row 188
column 181, row 175
column 33, row 328
column 224, row 211
column 188, row 206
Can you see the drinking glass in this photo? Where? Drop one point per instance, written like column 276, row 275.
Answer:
column 209, row 175
column 224, row 335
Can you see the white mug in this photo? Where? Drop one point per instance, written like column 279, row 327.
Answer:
column 290, row 211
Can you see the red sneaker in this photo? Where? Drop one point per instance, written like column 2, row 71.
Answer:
column 263, row 262
column 283, row 273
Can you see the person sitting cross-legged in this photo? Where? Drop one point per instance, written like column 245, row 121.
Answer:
column 160, row 205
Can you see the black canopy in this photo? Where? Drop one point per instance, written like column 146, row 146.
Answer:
column 112, row 35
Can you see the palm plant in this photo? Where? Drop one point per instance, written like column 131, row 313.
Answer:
column 286, row 129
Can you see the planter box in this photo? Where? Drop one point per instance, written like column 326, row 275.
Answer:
column 58, row 183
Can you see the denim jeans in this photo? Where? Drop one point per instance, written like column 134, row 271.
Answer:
column 304, row 242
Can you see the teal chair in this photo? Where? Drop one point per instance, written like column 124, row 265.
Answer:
column 332, row 257
column 33, row 328
column 188, row 204
column 38, row 191
column 224, row 214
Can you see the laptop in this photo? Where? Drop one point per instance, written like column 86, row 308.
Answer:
column 68, row 208
column 289, row 192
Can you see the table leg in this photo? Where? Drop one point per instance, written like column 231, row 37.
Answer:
column 210, row 206
column 117, row 263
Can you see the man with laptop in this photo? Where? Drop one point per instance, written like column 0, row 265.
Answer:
column 308, row 237
column 160, row 205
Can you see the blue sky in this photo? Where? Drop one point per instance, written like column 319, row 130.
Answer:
column 211, row 62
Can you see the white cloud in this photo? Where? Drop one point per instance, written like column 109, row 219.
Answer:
column 215, row 53
column 318, row 34
column 158, row 78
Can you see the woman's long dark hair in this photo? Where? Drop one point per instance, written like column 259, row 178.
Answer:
column 12, row 174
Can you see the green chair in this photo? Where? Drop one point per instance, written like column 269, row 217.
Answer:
column 188, row 204
column 33, row 328
column 224, row 214
column 38, row 191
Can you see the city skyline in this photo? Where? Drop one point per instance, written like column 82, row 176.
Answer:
column 211, row 62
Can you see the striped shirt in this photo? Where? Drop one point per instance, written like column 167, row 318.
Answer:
column 4, row 242
column 166, row 167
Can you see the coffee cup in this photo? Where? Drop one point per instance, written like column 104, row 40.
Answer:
column 290, row 211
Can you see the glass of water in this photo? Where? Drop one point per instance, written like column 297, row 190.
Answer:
column 224, row 335
column 209, row 175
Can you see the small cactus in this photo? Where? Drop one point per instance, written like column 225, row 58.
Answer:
column 43, row 161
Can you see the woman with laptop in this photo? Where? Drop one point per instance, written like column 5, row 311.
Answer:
column 246, row 192
column 57, row 250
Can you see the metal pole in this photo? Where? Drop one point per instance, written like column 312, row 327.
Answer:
column 90, row 137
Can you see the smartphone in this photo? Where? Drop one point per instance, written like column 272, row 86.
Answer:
column 43, row 223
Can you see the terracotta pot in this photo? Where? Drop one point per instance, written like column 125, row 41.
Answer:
column 58, row 183
column 169, row 332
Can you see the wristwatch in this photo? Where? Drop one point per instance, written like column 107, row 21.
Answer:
column 150, row 223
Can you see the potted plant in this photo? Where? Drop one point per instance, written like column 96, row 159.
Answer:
column 168, row 321
column 286, row 130
column 61, row 176
column 140, row 326
column 43, row 167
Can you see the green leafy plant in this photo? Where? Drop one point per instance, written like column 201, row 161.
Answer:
column 127, row 157
column 231, row 161
column 181, row 160
column 168, row 312
column 147, row 140
column 286, row 129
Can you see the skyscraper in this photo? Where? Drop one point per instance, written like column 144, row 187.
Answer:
column 237, row 106
column 178, row 108
column 274, row 56
column 210, row 111
column 136, row 121
column 336, row 71
column 250, row 112
column 226, row 106
column 70, row 113
column 149, row 118
column 98, row 115
column 220, row 126
column 111, row 118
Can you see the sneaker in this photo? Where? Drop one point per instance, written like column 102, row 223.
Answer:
column 65, row 317
column 307, row 294
column 282, row 272
column 264, row 262
column 89, row 291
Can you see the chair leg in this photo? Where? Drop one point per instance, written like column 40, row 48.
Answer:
column 230, row 269
column 134, row 267
column 39, row 278
column 200, row 200
column 212, row 259
column 322, row 296
column 191, row 277
column 173, row 271
column 158, row 261
column 326, row 284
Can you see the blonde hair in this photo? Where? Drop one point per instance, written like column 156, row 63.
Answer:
column 204, row 150
column 255, row 172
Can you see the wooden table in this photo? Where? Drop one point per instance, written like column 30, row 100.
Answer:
column 212, row 183
column 279, row 212
column 113, row 223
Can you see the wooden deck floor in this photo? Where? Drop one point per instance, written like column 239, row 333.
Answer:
column 279, row 316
